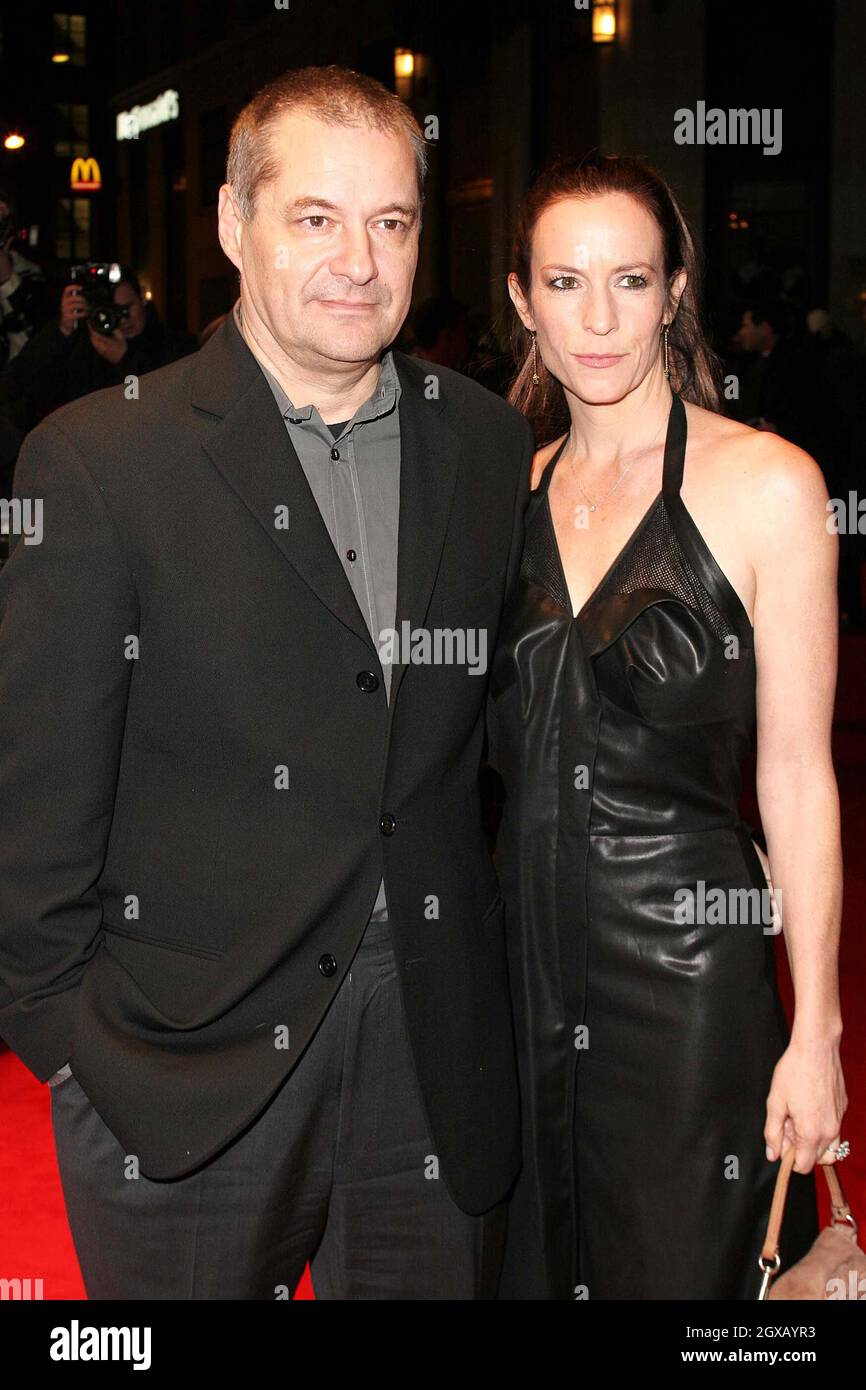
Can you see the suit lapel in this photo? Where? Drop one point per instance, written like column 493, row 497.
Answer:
column 250, row 446
column 429, row 463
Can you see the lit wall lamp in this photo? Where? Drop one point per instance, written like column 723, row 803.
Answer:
column 406, row 69
column 60, row 57
column 13, row 141
column 603, row 22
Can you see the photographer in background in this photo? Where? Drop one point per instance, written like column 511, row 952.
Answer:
column 105, row 332
column 23, row 292
column 23, row 310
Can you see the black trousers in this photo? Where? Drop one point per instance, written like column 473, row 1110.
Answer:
column 339, row 1169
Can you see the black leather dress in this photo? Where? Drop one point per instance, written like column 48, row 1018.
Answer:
column 646, row 1041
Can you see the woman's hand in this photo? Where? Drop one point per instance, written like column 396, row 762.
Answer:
column 806, row 1103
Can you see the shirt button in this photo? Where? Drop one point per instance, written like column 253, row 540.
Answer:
column 327, row 965
column 387, row 824
column 351, row 555
column 335, row 455
column 367, row 681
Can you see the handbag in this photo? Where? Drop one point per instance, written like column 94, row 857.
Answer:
column 835, row 1266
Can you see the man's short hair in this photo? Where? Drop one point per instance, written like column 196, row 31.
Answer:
column 336, row 95
column 772, row 312
column 129, row 277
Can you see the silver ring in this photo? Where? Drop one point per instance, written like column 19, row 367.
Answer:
column 842, row 1150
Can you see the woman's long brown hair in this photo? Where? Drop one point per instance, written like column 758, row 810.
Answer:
column 695, row 368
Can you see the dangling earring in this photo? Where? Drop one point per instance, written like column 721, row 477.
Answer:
column 665, row 328
column 535, row 377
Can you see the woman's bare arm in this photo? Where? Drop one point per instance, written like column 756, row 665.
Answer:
column 794, row 556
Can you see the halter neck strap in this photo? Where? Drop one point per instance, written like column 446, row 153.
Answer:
column 675, row 449
column 544, row 481
column 674, row 457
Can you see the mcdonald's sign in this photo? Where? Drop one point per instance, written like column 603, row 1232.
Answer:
column 85, row 176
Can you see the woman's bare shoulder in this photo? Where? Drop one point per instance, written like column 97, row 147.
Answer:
column 758, row 463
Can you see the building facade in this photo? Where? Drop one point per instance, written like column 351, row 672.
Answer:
column 499, row 89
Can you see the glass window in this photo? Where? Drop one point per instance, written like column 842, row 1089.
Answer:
column 71, row 129
column 70, row 36
column 73, row 229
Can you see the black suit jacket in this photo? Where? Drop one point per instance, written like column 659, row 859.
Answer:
column 167, row 909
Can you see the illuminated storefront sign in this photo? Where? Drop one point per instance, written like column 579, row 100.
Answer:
column 165, row 107
column 85, row 175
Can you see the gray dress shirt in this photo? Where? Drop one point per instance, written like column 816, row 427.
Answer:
column 355, row 479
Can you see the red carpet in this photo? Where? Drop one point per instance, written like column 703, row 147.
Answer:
column 34, row 1237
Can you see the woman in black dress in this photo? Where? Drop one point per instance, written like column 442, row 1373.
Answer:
column 677, row 587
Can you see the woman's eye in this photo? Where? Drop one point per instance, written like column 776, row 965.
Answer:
column 563, row 282
column 639, row 282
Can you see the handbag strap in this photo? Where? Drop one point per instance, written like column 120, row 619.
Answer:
column 841, row 1211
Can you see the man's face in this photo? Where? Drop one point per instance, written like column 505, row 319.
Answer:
column 133, row 320
column 752, row 337
column 329, row 256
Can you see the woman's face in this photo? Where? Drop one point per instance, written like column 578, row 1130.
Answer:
column 598, row 295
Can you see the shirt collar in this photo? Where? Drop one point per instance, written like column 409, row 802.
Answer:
column 383, row 400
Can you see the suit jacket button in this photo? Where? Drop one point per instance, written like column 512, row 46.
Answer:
column 367, row 681
column 387, row 824
column 327, row 965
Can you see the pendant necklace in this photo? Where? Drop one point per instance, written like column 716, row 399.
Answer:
column 594, row 505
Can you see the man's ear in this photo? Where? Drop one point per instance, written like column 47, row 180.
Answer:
column 520, row 303
column 229, row 226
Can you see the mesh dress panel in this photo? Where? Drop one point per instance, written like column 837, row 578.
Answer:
column 540, row 563
column 657, row 560
column 653, row 559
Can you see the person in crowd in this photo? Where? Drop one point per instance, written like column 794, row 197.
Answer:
column 823, row 330
column 754, row 278
column 69, row 358
column 829, row 359
column 23, row 291
column 10, row 443
column 778, row 392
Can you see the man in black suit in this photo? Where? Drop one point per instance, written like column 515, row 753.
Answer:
column 249, row 927
column 778, row 387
